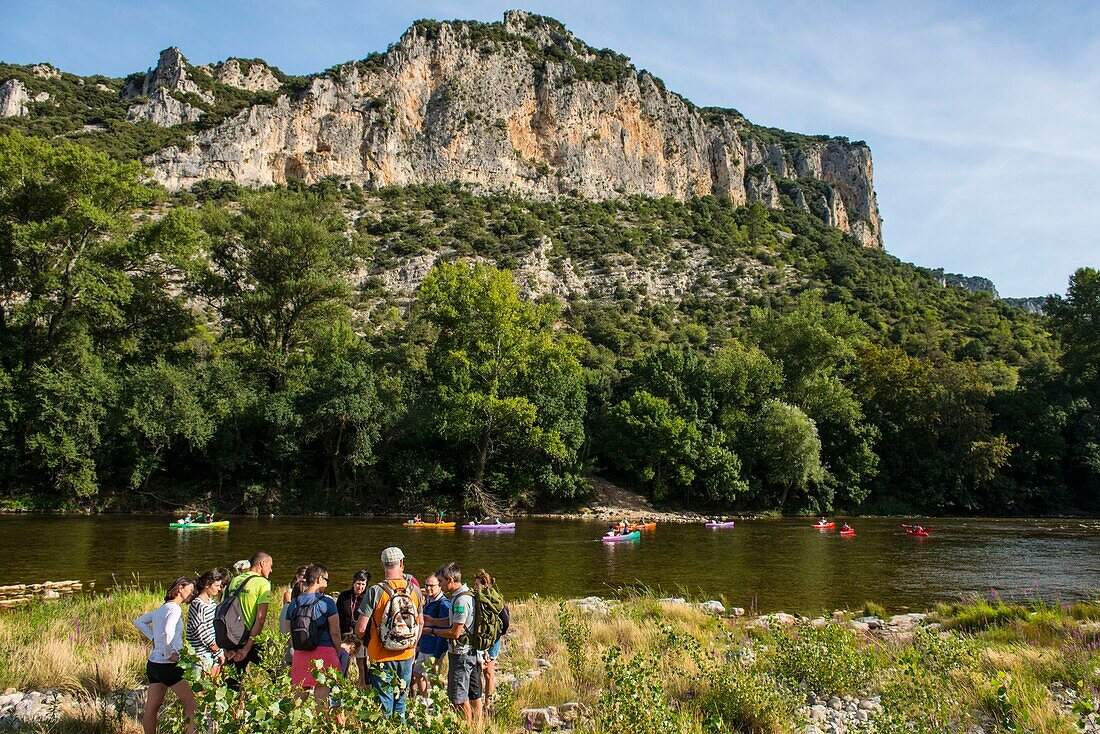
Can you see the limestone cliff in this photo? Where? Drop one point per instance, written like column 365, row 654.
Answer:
column 523, row 106
column 520, row 105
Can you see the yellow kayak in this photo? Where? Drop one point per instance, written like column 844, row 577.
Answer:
column 412, row 524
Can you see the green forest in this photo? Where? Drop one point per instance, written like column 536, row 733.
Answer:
column 238, row 349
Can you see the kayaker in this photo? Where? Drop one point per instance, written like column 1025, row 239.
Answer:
column 416, row 520
column 439, row 518
column 188, row 520
column 845, row 527
column 497, row 521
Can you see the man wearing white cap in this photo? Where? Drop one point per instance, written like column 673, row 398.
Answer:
column 391, row 617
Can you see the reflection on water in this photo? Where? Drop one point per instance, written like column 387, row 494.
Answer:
column 774, row 564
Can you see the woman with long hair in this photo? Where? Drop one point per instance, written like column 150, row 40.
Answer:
column 312, row 601
column 200, row 621
column 164, row 628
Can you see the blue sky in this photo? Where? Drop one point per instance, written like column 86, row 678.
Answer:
column 983, row 117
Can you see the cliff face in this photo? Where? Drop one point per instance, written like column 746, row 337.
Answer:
column 520, row 106
column 523, row 106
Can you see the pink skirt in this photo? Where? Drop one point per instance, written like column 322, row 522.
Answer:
column 301, row 667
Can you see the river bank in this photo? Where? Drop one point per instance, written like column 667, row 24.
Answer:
column 651, row 664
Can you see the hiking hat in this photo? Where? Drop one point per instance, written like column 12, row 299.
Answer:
column 392, row 555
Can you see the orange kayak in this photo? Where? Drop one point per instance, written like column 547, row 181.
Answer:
column 642, row 526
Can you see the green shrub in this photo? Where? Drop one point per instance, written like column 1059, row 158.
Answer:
column 747, row 699
column 634, row 697
column 826, row 660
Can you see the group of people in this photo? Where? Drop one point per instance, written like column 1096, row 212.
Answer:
column 398, row 631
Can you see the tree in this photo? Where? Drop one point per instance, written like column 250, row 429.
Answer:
column 1076, row 319
column 278, row 272
column 491, row 369
column 161, row 409
column 789, row 451
column 64, row 214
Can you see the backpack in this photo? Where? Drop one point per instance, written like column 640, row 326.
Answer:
column 488, row 619
column 305, row 632
column 230, row 631
column 399, row 626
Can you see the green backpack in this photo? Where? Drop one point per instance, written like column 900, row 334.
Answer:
column 488, row 624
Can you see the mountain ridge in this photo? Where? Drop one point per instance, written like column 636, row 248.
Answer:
column 519, row 105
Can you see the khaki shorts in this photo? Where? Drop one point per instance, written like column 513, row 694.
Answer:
column 423, row 661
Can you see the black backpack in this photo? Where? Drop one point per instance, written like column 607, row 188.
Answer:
column 305, row 633
column 230, row 631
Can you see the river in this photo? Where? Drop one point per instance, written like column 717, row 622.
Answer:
column 769, row 564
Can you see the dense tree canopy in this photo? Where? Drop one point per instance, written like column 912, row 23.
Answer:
column 237, row 349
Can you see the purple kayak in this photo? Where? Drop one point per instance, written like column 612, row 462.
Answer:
column 490, row 526
column 729, row 524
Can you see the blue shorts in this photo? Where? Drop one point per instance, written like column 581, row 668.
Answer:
column 494, row 649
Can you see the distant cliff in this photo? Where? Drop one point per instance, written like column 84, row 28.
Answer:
column 521, row 106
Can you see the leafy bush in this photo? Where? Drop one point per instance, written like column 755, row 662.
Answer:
column 634, row 697
column 747, row 699
column 825, row 660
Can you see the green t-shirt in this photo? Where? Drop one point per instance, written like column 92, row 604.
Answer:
column 254, row 593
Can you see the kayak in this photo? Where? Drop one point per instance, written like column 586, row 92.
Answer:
column 642, row 526
column 824, row 526
column 848, row 533
column 444, row 525
column 181, row 525
column 729, row 524
column 492, row 526
column 618, row 538
column 917, row 533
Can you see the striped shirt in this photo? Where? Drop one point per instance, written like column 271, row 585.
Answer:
column 200, row 626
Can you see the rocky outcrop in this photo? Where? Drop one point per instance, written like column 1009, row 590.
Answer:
column 45, row 71
column 258, row 77
column 521, row 106
column 13, row 99
column 163, row 86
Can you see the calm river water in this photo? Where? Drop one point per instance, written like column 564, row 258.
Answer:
column 776, row 564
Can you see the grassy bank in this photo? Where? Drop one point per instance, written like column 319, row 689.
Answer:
column 646, row 665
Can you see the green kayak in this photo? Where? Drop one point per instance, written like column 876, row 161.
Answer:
column 181, row 525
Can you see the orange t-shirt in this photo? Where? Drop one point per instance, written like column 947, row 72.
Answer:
column 375, row 651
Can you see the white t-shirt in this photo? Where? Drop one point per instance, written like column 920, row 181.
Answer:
column 164, row 627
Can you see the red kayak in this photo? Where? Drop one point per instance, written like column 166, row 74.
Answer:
column 824, row 526
column 848, row 533
column 919, row 533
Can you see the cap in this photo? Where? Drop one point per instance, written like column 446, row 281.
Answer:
column 392, row 555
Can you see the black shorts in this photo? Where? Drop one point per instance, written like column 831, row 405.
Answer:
column 168, row 674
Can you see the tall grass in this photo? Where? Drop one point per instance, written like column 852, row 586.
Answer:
column 649, row 665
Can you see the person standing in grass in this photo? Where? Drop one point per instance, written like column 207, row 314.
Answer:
column 254, row 591
column 348, row 605
column 200, row 622
column 463, row 671
column 164, row 628
column 391, row 615
column 314, row 631
column 482, row 580
column 430, row 649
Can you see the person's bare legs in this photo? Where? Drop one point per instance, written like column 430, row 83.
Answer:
column 190, row 706
column 154, row 698
column 476, row 712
